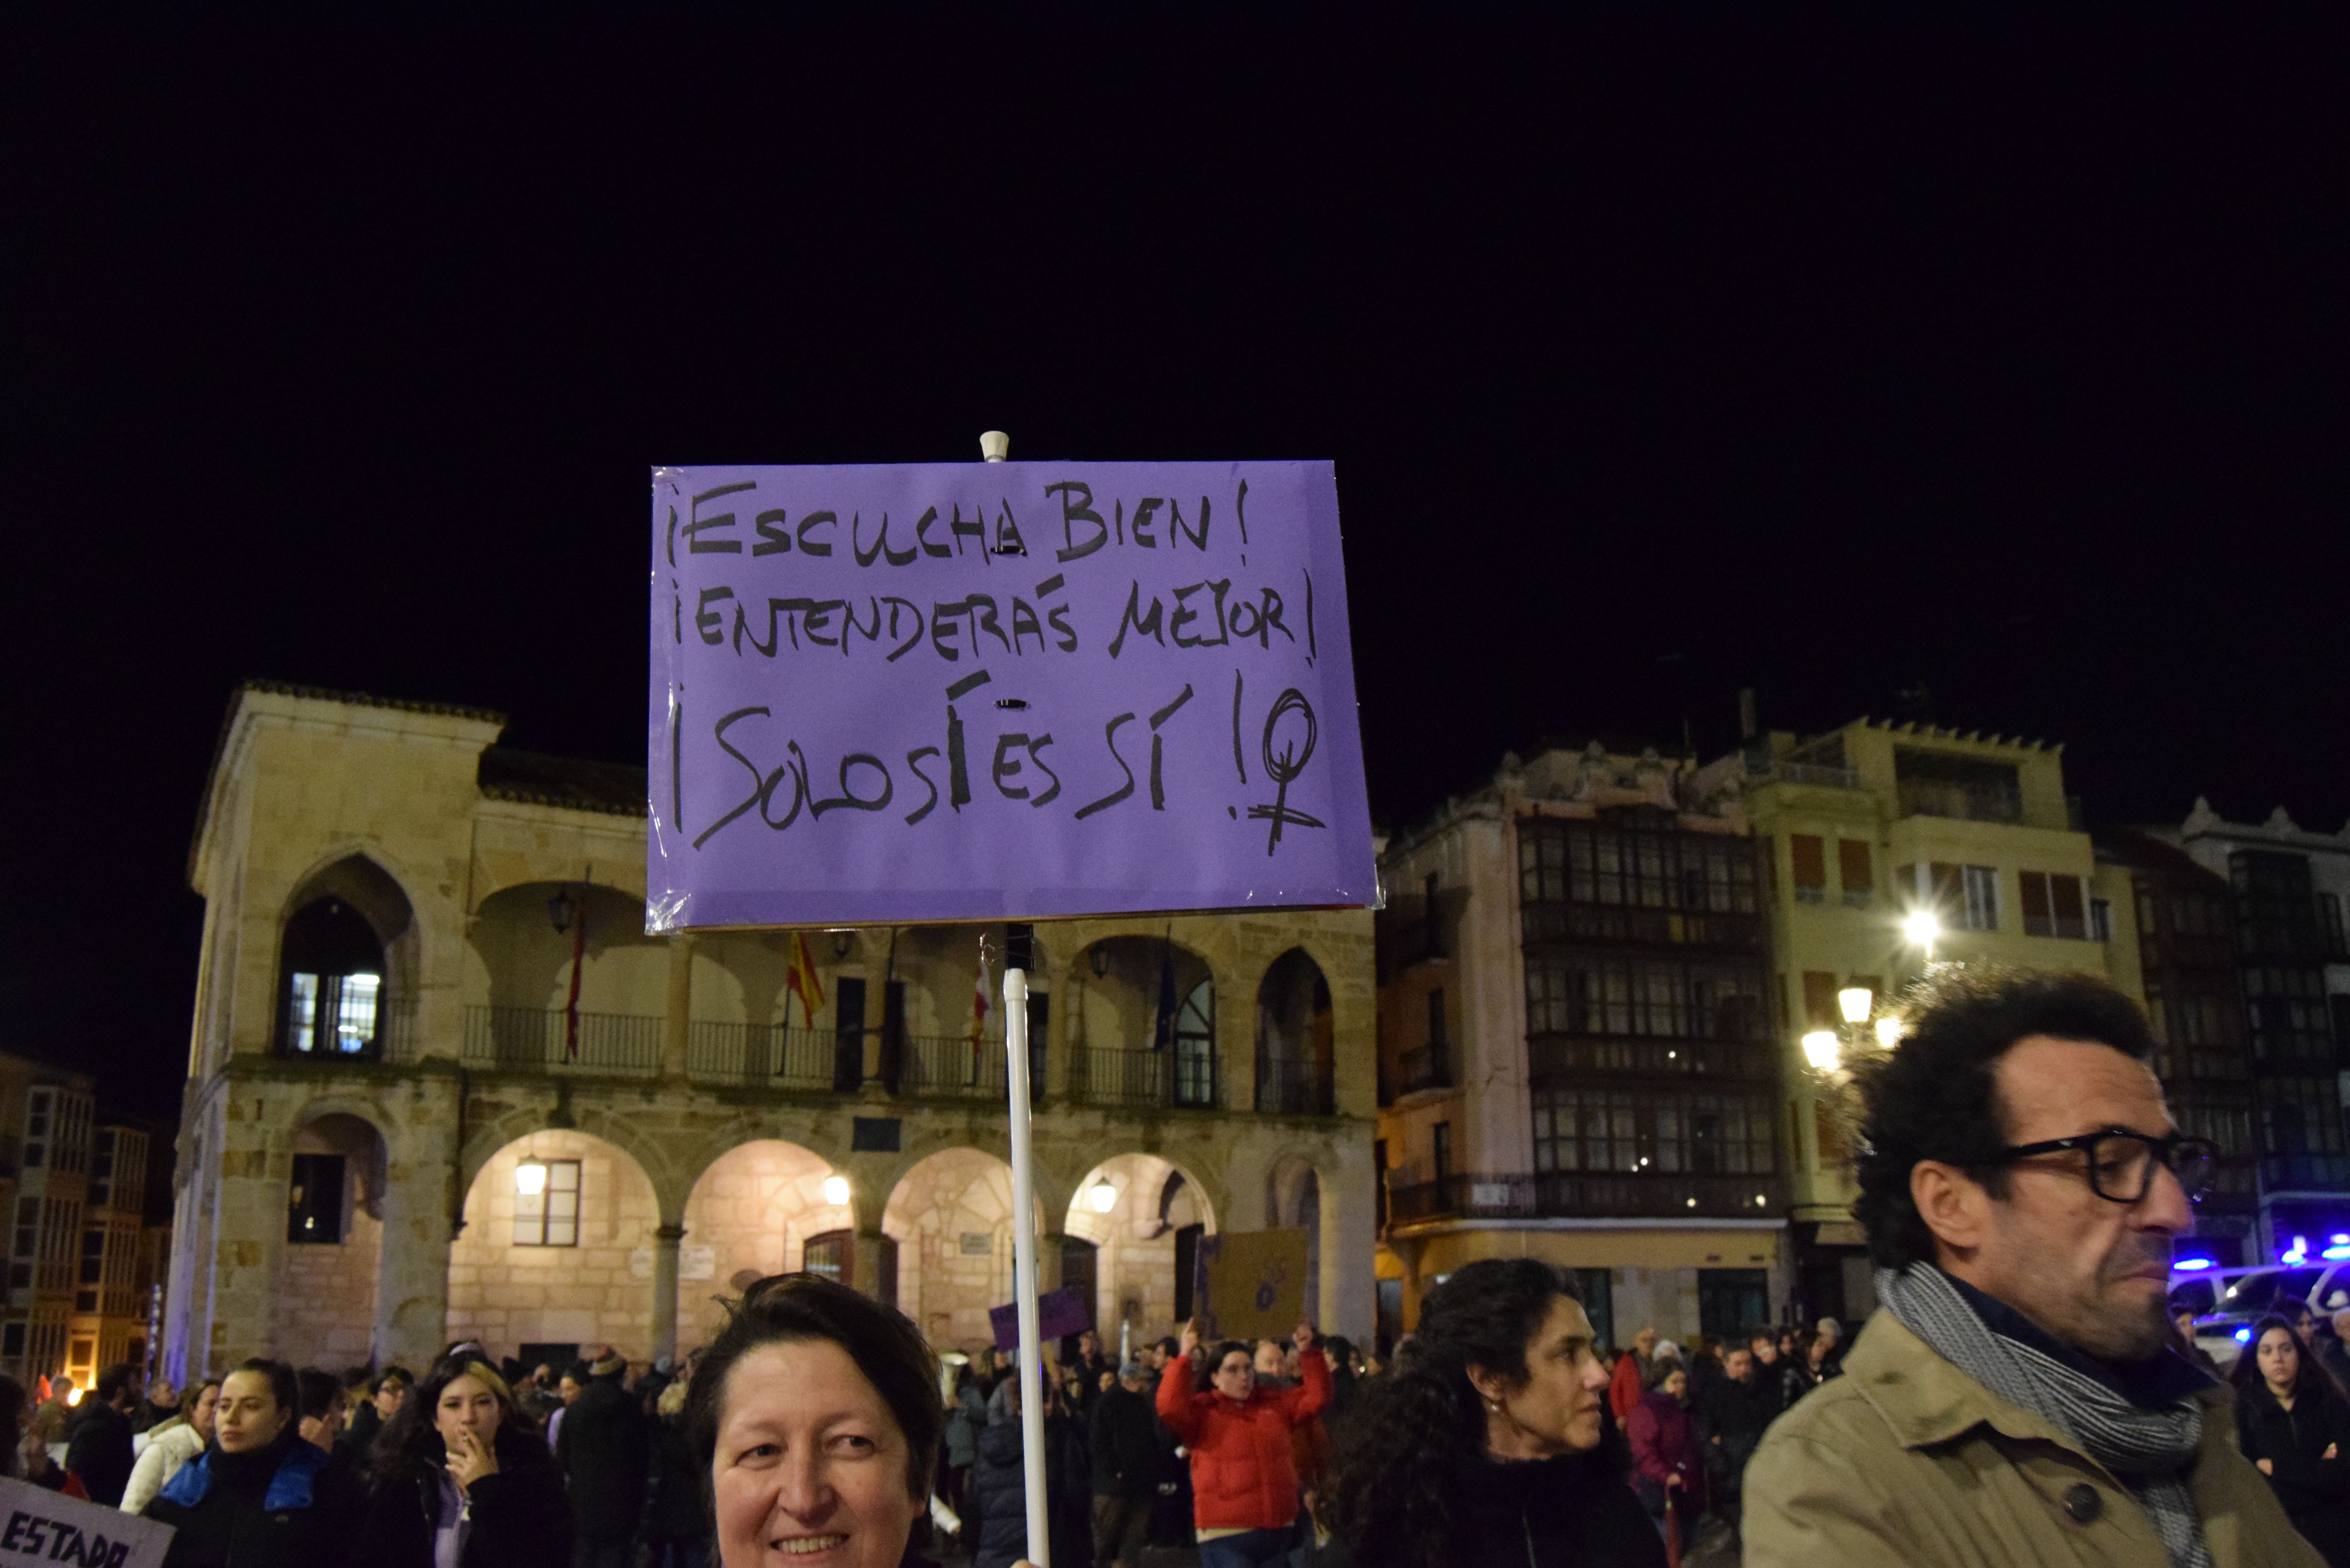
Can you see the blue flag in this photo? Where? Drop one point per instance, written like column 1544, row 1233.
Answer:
column 1163, row 1035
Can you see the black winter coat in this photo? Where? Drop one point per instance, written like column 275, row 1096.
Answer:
column 520, row 1518
column 1124, row 1436
column 601, row 1448
column 2314, row 1491
column 285, row 1506
column 1577, row 1510
column 673, row 1506
column 996, row 1496
column 98, row 1450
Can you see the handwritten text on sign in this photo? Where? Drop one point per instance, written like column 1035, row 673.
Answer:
column 945, row 691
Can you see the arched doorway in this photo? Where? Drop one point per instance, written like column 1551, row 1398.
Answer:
column 1293, row 1200
column 1137, row 1232
column 525, row 938
column 760, row 1209
column 1142, row 1025
column 557, row 1250
column 1295, row 1049
column 323, row 1310
column 950, row 1216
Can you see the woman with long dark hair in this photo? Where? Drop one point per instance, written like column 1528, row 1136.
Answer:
column 2293, row 1421
column 462, row 1482
column 1486, row 1446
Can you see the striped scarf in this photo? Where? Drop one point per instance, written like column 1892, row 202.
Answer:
column 2148, row 1450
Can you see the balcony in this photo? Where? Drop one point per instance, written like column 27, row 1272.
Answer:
column 949, row 1066
column 536, row 1040
column 1561, row 922
column 770, row 1055
column 1286, row 1088
column 1553, row 1059
column 1818, row 775
column 1567, row 1195
column 1965, row 802
column 1424, row 1068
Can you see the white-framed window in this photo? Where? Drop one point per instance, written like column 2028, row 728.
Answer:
column 1979, row 886
column 550, row 1217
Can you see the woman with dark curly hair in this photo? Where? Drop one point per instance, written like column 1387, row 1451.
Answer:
column 2293, row 1421
column 1486, row 1446
column 462, row 1482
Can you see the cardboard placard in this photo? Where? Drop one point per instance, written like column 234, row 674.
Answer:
column 1250, row 1284
column 49, row 1527
column 944, row 691
column 1058, row 1313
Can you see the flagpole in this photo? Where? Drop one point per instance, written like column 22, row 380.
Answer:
column 1031, row 1370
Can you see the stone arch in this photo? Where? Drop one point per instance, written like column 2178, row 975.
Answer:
column 1135, row 1242
column 752, row 1210
column 669, row 1176
column 349, row 961
column 594, row 1287
column 1114, row 992
column 949, row 1212
column 329, row 1270
column 1294, row 1200
column 520, row 965
column 1296, row 1045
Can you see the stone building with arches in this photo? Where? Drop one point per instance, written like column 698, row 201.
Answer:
column 443, row 1084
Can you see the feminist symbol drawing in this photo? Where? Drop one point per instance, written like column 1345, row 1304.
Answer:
column 1286, row 765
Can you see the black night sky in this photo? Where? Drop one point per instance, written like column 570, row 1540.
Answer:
column 1658, row 357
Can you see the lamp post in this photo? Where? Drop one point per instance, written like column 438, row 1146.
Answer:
column 1923, row 929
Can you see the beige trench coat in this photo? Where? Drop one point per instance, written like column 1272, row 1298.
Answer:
column 1907, row 1461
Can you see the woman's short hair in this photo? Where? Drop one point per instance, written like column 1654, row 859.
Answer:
column 1203, row 1377
column 412, row 1433
column 284, row 1387
column 1933, row 1096
column 786, row 1309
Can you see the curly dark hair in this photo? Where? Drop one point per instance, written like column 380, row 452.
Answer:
column 1932, row 1097
column 884, row 1344
column 1391, row 1492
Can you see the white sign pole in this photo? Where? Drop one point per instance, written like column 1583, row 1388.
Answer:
column 1023, row 1264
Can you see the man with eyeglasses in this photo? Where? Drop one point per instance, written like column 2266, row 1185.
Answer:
column 2017, row 1399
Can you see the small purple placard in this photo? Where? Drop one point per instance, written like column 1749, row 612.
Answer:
column 1058, row 1313
column 999, row 691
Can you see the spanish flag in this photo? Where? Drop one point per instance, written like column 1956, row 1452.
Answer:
column 801, row 980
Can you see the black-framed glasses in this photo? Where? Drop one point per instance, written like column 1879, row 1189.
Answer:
column 2121, row 1164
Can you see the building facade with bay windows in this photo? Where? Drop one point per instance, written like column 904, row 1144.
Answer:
column 1576, row 1058
column 443, row 1085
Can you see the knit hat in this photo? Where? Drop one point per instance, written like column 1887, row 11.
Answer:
column 611, row 1364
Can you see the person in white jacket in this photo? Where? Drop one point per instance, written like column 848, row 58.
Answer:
column 171, row 1445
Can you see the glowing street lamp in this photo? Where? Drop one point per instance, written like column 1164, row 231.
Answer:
column 530, row 1176
column 835, row 1190
column 1855, row 1003
column 1102, row 1196
column 1822, row 1049
column 1923, row 929
column 1889, row 1032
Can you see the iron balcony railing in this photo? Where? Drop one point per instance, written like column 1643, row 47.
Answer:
column 1559, row 922
column 1966, row 802
column 1804, row 774
column 769, row 1055
column 535, row 1039
column 1564, row 1194
column 1424, row 1068
column 1292, row 1088
column 1113, row 1076
column 950, row 1066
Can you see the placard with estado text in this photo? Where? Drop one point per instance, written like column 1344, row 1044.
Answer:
column 49, row 1527
column 999, row 691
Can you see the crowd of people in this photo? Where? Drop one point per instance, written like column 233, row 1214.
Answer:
column 2021, row 1396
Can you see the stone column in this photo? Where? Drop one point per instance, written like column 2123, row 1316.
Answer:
column 865, row 1262
column 676, row 1018
column 665, row 1244
column 422, row 1205
column 1349, row 1291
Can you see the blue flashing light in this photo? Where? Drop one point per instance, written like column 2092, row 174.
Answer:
column 2335, row 1254
column 2243, row 1336
column 2339, row 1239
column 2297, row 1253
column 2182, row 1264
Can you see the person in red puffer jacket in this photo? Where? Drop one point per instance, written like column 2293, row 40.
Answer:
column 1243, row 1480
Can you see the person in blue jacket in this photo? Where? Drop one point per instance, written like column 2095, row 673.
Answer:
column 259, row 1496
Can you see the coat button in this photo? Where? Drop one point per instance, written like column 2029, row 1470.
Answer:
column 2082, row 1504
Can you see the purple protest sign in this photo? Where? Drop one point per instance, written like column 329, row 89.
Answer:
column 1058, row 1313
column 999, row 691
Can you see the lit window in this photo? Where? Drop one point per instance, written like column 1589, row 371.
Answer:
column 302, row 1010
column 355, row 1018
column 1982, row 888
column 550, row 1218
